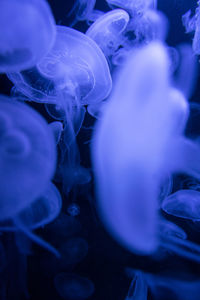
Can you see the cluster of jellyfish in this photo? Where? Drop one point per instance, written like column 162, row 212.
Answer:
column 136, row 89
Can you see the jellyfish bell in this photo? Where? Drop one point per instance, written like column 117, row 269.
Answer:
column 184, row 204
column 28, row 157
column 107, row 30
column 129, row 174
column 73, row 287
column 75, row 67
column 27, row 33
column 43, row 210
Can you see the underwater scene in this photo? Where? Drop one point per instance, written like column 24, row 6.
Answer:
column 99, row 150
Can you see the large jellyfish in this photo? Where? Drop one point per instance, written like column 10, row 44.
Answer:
column 27, row 33
column 75, row 70
column 28, row 156
column 137, row 143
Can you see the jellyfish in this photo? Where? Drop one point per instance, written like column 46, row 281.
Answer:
column 75, row 71
column 27, row 33
column 28, row 156
column 82, row 9
column 63, row 227
column 73, row 287
column 192, row 24
column 138, row 289
column 40, row 212
column 173, row 288
column 107, row 30
column 183, row 204
column 131, row 160
column 142, row 29
column 73, row 251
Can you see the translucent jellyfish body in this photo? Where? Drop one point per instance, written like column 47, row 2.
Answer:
column 27, row 33
column 28, row 156
column 107, row 30
column 184, row 204
column 75, row 70
column 131, row 160
column 73, row 287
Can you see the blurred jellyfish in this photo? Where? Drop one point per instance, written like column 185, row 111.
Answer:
column 138, row 289
column 192, row 24
column 129, row 174
column 183, row 204
column 186, row 73
column 170, row 288
column 151, row 25
column 172, row 240
column 64, row 226
column 27, row 33
column 73, row 287
column 73, row 251
column 73, row 209
column 28, row 156
column 75, row 71
column 82, row 10
column 40, row 212
column 107, row 30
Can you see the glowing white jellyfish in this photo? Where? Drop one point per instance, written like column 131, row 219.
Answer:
column 74, row 71
column 107, row 30
column 27, row 33
column 138, row 142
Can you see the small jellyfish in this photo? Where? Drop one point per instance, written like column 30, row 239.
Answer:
column 73, row 287
column 27, row 33
column 138, row 289
column 75, row 72
column 73, row 251
column 64, row 226
column 192, row 24
column 107, row 30
column 28, row 156
column 131, row 160
column 183, row 204
column 96, row 110
column 73, row 209
column 82, row 9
